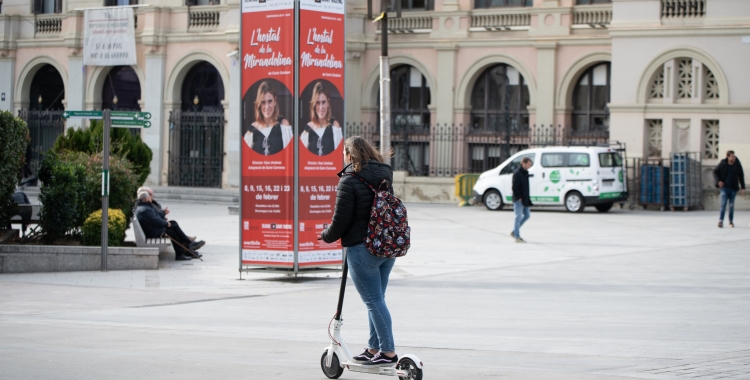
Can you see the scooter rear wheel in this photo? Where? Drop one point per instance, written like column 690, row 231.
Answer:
column 409, row 366
column 335, row 370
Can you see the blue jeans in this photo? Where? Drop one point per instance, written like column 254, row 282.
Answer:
column 727, row 196
column 522, row 215
column 370, row 276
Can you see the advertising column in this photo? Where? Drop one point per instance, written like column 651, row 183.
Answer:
column 321, row 121
column 267, row 52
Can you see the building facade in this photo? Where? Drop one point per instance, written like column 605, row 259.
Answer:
column 472, row 81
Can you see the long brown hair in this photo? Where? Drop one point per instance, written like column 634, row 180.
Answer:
column 318, row 90
column 264, row 89
column 361, row 152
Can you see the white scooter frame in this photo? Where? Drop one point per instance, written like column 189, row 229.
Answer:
column 409, row 367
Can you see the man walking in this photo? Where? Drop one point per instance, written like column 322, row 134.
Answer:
column 730, row 179
column 521, row 199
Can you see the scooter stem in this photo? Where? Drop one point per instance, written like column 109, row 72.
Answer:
column 340, row 305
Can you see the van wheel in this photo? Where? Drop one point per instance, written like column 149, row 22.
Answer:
column 604, row 207
column 574, row 202
column 493, row 201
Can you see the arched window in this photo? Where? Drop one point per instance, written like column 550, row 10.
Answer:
column 410, row 96
column 47, row 89
column 590, row 98
column 499, row 92
column 121, row 90
column 202, row 89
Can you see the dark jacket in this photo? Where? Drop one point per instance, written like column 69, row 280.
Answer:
column 158, row 209
column 521, row 186
column 152, row 224
column 722, row 169
column 354, row 202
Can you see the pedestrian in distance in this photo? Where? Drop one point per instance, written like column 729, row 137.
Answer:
column 730, row 178
column 521, row 199
column 369, row 273
column 163, row 212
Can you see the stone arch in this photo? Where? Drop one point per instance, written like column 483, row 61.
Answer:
column 172, row 93
column 94, row 85
column 465, row 86
column 688, row 52
column 564, row 94
column 23, row 85
column 372, row 85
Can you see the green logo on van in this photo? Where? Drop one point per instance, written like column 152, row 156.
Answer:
column 619, row 176
column 554, row 177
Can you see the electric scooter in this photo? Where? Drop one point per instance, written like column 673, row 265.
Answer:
column 336, row 357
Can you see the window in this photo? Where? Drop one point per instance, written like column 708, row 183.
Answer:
column 710, row 139
column 655, row 129
column 410, row 96
column 516, row 163
column 412, row 5
column 202, row 2
column 47, row 6
column 503, row 3
column 590, row 98
column 578, row 160
column 499, row 92
column 610, row 160
column 587, row 2
column 553, row 160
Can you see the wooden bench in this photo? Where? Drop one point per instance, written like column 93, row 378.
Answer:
column 142, row 241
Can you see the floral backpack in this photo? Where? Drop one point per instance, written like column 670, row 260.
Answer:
column 388, row 231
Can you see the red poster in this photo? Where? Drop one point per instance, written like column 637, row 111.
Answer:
column 321, row 122
column 267, row 53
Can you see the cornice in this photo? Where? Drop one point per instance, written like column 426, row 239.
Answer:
column 679, row 31
column 680, row 108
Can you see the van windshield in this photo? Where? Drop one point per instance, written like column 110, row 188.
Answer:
column 610, row 160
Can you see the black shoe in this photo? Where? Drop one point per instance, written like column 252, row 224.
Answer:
column 182, row 258
column 196, row 245
column 380, row 360
column 363, row 357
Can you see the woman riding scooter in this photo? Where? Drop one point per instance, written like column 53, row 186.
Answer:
column 350, row 219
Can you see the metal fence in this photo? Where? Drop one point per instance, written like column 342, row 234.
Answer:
column 44, row 128
column 196, row 148
column 446, row 150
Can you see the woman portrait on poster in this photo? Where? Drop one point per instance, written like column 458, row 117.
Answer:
column 269, row 133
column 323, row 134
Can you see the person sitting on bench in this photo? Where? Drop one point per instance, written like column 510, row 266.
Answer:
column 163, row 212
column 154, row 226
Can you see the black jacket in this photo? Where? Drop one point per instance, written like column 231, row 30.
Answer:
column 722, row 170
column 158, row 209
column 521, row 186
column 354, row 202
column 152, row 224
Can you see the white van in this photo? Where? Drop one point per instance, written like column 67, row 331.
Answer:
column 572, row 176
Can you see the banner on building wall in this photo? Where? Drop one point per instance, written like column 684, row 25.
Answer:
column 267, row 53
column 321, row 122
column 109, row 37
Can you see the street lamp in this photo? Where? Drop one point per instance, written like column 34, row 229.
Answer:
column 196, row 100
column 39, row 100
column 114, row 102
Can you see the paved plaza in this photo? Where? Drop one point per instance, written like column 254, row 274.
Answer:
column 622, row 295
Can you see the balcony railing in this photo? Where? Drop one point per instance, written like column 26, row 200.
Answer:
column 203, row 19
column 414, row 24
column 501, row 21
column 595, row 18
column 50, row 25
column 683, row 8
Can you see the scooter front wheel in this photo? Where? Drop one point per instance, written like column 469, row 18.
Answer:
column 408, row 365
column 335, row 370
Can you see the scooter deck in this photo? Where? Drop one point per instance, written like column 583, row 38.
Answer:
column 385, row 371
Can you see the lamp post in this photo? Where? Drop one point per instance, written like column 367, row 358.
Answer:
column 114, row 102
column 196, row 100
column 39, row 102
column 385, row 77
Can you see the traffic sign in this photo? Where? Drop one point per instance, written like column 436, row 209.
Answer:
column 132, row 123
column 82, row 114
column 130, row 115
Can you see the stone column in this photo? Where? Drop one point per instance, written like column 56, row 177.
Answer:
column 154, row 95
column 545, row 82
column 76, row 91
column 7, row 83
column 441, row 149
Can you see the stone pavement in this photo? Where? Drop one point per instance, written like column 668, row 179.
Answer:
column 622, row 295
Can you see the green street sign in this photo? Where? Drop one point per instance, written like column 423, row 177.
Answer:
column 130, row 115
column 82, row 114
column 125, row 123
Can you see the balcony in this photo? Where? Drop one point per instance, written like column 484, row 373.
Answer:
column 498, row 19
column 408, row 24
column 203, row 20
column 683, row 8
column 592, row 16
column 47, row 25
